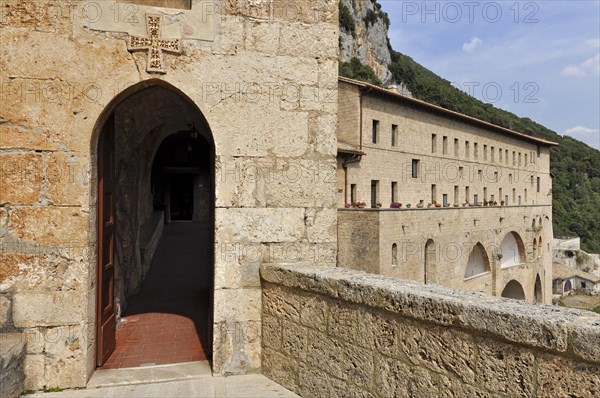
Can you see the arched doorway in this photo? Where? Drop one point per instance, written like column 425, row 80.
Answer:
column 537, row 290
column 512, row 250
column 514, row 290
column 478, row 262
column 429, row 265
column 155, row 225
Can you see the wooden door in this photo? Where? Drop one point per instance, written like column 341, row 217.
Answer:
column 106, row 333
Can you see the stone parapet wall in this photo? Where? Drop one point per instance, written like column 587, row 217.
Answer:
column 339, row 332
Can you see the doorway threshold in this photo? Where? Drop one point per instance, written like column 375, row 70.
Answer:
column 150, row 374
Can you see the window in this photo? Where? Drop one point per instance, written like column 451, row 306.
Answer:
column 445, row 200
column 485, row 152
column 500, row 193
column 433, row 193
column 352, row 193
column 484, row 193
column 394, row 135
column 461, row 173
column 475, row 200
column 531, row 180
column 538, row 184
column 519, row 200
column 181, row 4
column 514, row 158
column 433, row 143
column 514, row 199
column 506, row 200
column 506, row 156
column 499, row 155
column 480, row 175
column 495, row 176
column 492, row 154
column 476, row 150
column 519, row 159
column 374, row 193
column 467, row 193
column 394, row 254
column 445, row 145
column 539, row 151
column 456, row 147
column 525, row 159
column 456, row 194
column 525, row 195
column 394, row 191
column 375, row 131
column 467, row 149
column 510, row 178
column 415, row 168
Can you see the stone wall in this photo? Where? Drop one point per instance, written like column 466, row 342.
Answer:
column 262, row 74
column 12, row 355
column 365, row 235
column 331, row 332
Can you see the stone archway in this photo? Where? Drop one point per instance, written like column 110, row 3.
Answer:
column 163, row 147
column 514, row 290
column 430, row 261
column 537, row 290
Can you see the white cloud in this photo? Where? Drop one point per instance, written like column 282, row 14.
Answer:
column 589, row 67
column 581, row 130
column 472, row 45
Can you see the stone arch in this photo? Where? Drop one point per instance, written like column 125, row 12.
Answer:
column 514, row 290
column 533, row 223
column 478, row 261
column 568, row 286
column 143, row 116
column 534, row 249
column 537, row 290
column 394, row 254
column 512, row 250
column 430, row 260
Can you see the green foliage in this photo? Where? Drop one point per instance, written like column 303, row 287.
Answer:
column 356, row 70
column 596, row 309
column 53, row 389
column 370, row 18
column 347, row 20
column 574, row 165
column 27, row 392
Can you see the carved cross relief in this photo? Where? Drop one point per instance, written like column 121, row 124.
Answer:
column 154, row 43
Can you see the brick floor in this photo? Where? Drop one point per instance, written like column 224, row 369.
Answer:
column 167, row 320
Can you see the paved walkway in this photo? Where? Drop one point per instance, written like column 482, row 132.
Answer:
column 192, row 379
column 167, row 320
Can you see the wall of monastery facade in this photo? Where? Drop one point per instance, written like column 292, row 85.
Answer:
column 393, row 242
column 264, row 77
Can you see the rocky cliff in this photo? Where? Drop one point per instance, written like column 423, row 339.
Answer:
column 363, row 35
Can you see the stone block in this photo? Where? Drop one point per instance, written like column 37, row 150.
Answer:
column 341, row 389
column 35, row 370
column 312, row 383
column 18, row 137
column 294, row 340
column 21, row 178
column 271, row 332
column 67, row 178
column 35, row 309
column 440, row 349
column 313, row 312
column 392, row 377
column 561, row 377
column 14, row 267
column 280, row 303
column 505, row 369
column 324, row 226
column 586, row 339
column 247, row 305
column 5, row 304
column 50, row 226
column 341, row 320
column 281, row 369
column 259, row 225
column 237, row 347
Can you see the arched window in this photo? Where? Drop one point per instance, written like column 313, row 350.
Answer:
column 537, row 290
column 478, row 262
column 540, row 247
column 394, row 254
column 512, row 250
column 533, row 223
column 429, row 259
column 534, row 250
column 514, row 290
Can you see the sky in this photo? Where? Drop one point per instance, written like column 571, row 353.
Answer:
column 537, row 59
